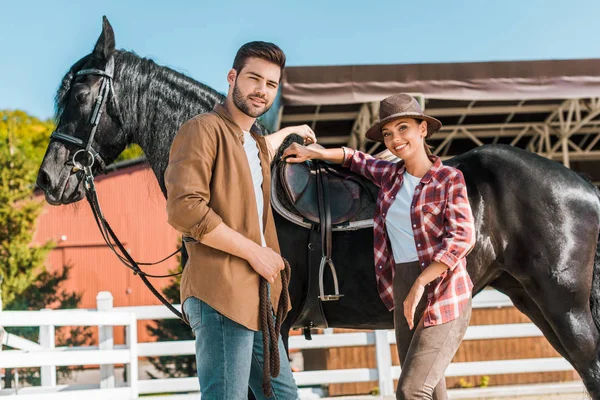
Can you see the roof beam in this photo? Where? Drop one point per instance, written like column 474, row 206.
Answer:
column 336, row 116
column 488, row 133
column 494, row 110
column 435, row 112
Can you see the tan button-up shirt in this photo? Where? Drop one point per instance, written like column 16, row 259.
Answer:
column 208, row 181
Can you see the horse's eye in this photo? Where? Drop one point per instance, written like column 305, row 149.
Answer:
column 82, row 96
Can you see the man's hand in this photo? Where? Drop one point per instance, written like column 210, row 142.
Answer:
column 266, row 262
column 304, row 131
column 263, row 260
column 275, row 139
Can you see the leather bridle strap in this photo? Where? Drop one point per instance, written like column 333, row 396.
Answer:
column 106, row 87
column 108, row 233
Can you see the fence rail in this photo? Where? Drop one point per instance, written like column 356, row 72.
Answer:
column 106, row 354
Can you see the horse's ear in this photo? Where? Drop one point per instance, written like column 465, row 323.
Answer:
column 106, row 42
column 65, row 85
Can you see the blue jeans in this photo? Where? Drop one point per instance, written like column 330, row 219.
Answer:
column 229, row 357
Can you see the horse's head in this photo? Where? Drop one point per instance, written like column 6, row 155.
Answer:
column 85, row 91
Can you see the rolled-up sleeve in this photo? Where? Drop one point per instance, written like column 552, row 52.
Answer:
column 187, row 180
column 270, row 151
column 366, row 165
column 459, row 226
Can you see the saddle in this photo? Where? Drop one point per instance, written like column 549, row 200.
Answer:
column 326, row 198
column 306, row 183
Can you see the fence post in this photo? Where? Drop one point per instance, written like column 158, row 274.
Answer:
column 106, row 341
column 48, row 341
column 384, row 363
column 131, row 339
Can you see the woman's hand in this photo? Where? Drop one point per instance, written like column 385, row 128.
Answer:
column 297, row 153
column 411, row 302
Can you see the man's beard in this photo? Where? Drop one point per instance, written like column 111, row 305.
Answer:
column 242, row 103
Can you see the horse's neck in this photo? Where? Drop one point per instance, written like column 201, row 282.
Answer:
column 158, row 103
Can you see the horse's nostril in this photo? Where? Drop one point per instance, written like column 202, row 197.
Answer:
column 43, row 180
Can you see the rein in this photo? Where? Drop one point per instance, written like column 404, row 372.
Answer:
column 92, row 156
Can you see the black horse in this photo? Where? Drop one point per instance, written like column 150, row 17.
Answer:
column 537, row 222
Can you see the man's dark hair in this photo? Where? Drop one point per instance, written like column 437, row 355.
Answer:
column 263, row 50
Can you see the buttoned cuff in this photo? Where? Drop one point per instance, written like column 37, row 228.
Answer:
column 348, row 153
column 446, row 257
column 210, row 221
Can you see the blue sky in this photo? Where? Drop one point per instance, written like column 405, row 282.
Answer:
column 42, row 39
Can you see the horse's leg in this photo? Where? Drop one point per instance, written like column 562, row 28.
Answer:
column 285, row 336
column 523, row 302
column 564, row 300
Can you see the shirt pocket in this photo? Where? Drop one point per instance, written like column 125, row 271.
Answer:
column 433, row 217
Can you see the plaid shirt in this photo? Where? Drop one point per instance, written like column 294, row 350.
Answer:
column 442, row 225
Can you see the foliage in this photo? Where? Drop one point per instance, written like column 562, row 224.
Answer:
column 26, row 284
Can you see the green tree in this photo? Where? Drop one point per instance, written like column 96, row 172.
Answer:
column 27, row 133
column 26, row 284
column 133, row 151
column 20, row 262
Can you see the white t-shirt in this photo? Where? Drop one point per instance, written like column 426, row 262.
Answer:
column 252, row 153
column 397, row 221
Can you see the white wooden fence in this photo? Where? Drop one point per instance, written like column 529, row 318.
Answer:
column 106, row 354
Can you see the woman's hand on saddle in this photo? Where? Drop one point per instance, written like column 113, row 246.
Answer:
column 411, row 302
column 297, row 153
column 267, row 263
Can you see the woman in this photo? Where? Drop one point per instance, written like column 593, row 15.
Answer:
column 423, row 229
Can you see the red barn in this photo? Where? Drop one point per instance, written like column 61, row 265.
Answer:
column 133, row 204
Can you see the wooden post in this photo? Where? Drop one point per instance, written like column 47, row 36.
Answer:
column 384, row 363
column 48, row 341
column 131, row 339
column 106, row 341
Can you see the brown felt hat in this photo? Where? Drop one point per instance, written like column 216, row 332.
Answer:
column 400, row 105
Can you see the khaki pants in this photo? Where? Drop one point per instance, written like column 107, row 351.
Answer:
column 424, row 352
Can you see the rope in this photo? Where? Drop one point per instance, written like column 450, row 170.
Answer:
column 271, row 329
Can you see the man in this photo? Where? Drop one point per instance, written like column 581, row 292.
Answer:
column 218, row 192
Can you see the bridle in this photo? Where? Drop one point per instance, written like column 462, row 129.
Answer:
column 85, row 147
column 92, row 156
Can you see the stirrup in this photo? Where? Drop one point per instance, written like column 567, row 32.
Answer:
column 322, row 295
